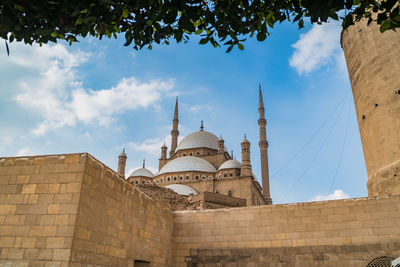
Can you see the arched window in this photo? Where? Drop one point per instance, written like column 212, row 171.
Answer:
column 187, row 177
column 197, row 153
column 137, row 182
column 225, row 175
column 175, row 178
column 169, row 179
column 230, row 175
column 230, row 193
column 181, row 178
column 190, row 153
column 197, row 177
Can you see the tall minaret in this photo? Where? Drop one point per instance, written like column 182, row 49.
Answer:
column 174, row 132
column 122, row 163
column 263, row 150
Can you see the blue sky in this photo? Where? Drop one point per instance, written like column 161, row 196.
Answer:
column 99, row 96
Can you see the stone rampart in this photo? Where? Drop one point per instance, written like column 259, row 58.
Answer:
column 71, row 210
column 300, row 231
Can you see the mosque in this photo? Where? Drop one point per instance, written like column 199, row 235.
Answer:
column 201, row 163
column 73, row 210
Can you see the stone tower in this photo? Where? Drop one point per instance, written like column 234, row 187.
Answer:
column 263, row 149
column 122, row 163
column 373, row 62
column 163, row 158
column 245, row 170
column 221, row 145
column 174, row 132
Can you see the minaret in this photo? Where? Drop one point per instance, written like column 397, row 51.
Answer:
column 164, row 151
column 163, row 158
column 263, row 150
column 246, row 170
column 220, row 145
column 122, row 163
column 174, row 132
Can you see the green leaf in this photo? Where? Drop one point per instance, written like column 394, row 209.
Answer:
column 261, row 36
column 204, row 40
column 125, row 13
column 240, row 46
column 385, row 26
column 54, row 34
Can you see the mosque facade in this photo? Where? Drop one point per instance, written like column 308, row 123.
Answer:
column 201, row 163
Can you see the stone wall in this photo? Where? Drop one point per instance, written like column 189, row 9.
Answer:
column 71, row 210
column 39, row 199
column 117, row 224
column 303, row 230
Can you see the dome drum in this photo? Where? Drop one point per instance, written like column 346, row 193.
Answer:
column 184, row 177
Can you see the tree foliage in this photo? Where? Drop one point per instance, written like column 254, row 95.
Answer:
column 145, row 22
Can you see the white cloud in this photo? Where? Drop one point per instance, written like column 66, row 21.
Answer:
column 317, row 47
column 152, row 146
column 198, row 108
column 337, row 194
column 24, row 152
column 129, row 94
column 55, row 93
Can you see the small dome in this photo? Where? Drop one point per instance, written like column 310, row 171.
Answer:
column 188, row 163
column 199, row 139
column 230, row 164
column 142, row 172
column 182, row 189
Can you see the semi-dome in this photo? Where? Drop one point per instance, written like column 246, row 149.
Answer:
column 182, row 189
column 188, row 163
column 142, row 172
column 199, row 139
column 230, row 164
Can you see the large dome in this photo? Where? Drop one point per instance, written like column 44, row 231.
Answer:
column 188, row 163
column 230, row 164
column 142, row 172
column 199, row 139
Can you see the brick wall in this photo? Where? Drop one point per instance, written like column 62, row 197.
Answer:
column 296, row 227
column 39, row 199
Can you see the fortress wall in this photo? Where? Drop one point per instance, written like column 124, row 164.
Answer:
column 373, row 63
column 117, row 224
column 351, row 230
column 71, row 210
column 39, row 199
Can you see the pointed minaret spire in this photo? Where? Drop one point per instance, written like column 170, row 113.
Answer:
column 201, row 126
column 260, row 98
column 176, row 109
column 262, row 123
column 174, row 132
column 144, row 163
